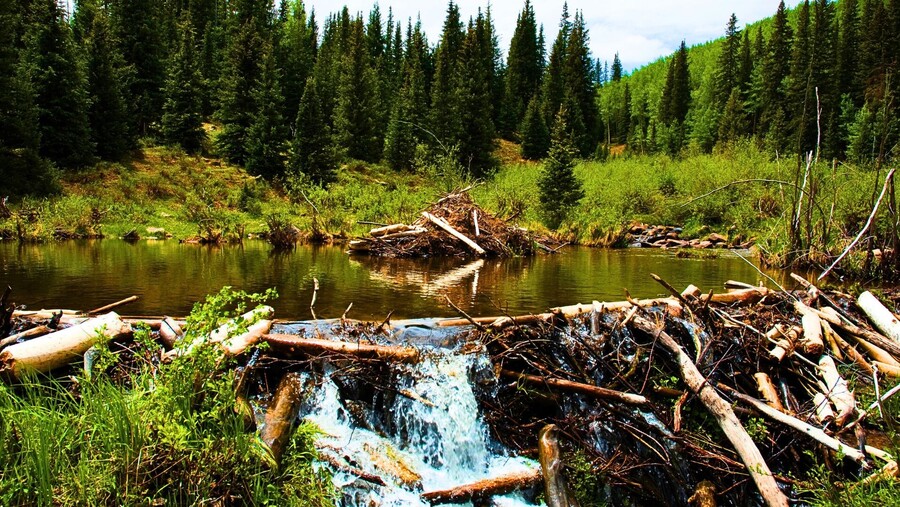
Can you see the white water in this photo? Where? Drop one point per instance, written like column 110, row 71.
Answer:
column 446, row 441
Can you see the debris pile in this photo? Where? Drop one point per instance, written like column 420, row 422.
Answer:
column 452, row 227
column 667, row 236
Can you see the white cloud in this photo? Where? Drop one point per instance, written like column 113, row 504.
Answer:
column 640, row 31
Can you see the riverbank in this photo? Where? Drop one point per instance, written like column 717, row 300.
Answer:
column 739, row 194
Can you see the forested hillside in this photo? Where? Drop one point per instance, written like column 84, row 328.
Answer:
column 823, row 77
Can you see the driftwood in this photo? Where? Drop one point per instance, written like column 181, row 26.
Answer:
column 453, row 232
column 341, row 465
column 225, row 337
column 316, row 346
column 113, row 305
column 566, row 385
column 28, row 333
column 170, row 332
column 57, row 349
column 837, row 391
column 768, row 391
column 485, row 488
column 812, row 341
column 721, row 410
column 556, row 492
column 881, row 317
column 276, row 433
column 876, row 338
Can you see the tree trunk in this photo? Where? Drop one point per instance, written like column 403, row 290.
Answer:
column 315, row 346
column 485, row 488
column 556, row 492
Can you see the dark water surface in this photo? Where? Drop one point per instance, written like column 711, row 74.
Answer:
column 169, row 277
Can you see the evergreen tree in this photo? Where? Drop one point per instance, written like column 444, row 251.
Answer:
column 848, row 52
column 476, row 138
column 554, row 86
column 409, row 112
column 728, row 69
column 295, row 54
column 676, row 98
column 182, row 120
column 560, row 190
column 60, row 87
column 823, row 64
column 616, row 69
column 732, row 124
column 801, row 94
column 356, row 125
column 577, row 82
column 312, row 150
column 523, row 68
column 535, row 134
column 444, row 106
column 267, row 135
column 776, row 69
column 753, row 96
column 108, row 113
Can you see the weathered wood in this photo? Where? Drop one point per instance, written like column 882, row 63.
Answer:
column 881, row 317
column 390, row 229
column 872, row 337
column 812, row 341
column 109, row 307
column 837, row 390
column 485, row 488
column 57, row 349
column 888, row 369
column 224, row 336
column 704, row 495
column 28, row 333
column 823, row 409
column 569, row 312
column 577, row 387
column 170, row 332
column 341, row 465
column 281, row 415
column 744, row 296
column 556, row 492
column 453, row 232
column 387, row 460
column 768, row 391
column 316, row 346
column 877, row 353
column 751, row 456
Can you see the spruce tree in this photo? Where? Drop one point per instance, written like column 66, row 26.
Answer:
column 801, row 96
column 559, row 188
column 410, row 109
column 823, row 64
column 534, row 132
column 523, row 68
column 444, row 97
column 182, row 120
column 776, row 68
column 732, row 122
column 267, row 135
column 476, row 135
column 295, row 54
column 578, row 83
column 848, row 52
column 312, row 150
column 676, row 101
column 554, row 86
column 60, row 87
column 728, row 68
column 356, row 126
column 616, row 69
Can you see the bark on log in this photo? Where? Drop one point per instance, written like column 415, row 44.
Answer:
column 60, row 348
column 280, row 416
column 316, row 346
column 888, row 369
column 887, row 344
column 566, row 385
column 556, row 492
column 485, row 488
column 837, row 391
column 722, row 411
column 569, row 312
column 744, row 296
column 881, row 317
column 453, row 232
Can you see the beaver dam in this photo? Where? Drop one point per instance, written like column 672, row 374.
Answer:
column 742, row 397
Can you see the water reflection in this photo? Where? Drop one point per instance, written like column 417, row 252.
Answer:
column 170, row 277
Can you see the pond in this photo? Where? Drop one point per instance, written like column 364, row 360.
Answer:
column 170, row 277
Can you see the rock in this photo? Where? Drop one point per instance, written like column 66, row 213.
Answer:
column 717, row 238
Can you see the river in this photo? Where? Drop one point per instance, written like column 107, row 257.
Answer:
column 170, row 277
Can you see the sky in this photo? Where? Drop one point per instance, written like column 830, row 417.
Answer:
column 641, row 31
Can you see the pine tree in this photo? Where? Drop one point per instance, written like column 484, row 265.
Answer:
column 476, row 137
column 535, row 134
column 410, row 109
column 775, row 71
column 295, row 54
column 616, row 69
column 848, row 52
column 732, row 123
column 560, row 189
column 356, row 126
column 267, row 135
column 823, row 64
column 553, row 91
column 312, row 150
column 108, row 113
column 444, row 106
column 523, row 68
column 182, row 120
column 578, row 83
column 801, row 97
column 676, row 98
column 60, row 87
column 728, row 69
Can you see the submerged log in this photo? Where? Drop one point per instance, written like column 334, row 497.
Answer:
column 556, row 492
column 315, row 346
column 881, row 317
column 280, row 417
column 566, row 385
column 485, row 488
column 57, row 349
column 751, row 456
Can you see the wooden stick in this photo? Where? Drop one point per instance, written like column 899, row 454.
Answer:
column 28, row 333
column 566, row 385
column 556, row 492
column 281, row 415
column 881, row 317
column 453, row 232
column 873, row 337
column 756, row 465
column 824, row 297
column 113, row 305
column 485, row 488
column 812, row 342
column 837, row 390
column 316, row 346
column 170, row 332
column 57, row 349
column 768, row 391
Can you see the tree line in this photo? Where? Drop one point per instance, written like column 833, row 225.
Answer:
column 823, row 78
column 284, row 93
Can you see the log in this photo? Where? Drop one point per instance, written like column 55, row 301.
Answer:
column 569, row 312
column 816, row 434
column 823, row 409
column 846, row 347
column 556, row 492
column 837, row 390
column 877, row 353
column 485, row 488
column 743, row 296
column 113, row 305
column 872, row 337
column 751, row 456
column 881, row 317
column 280, row 417
column 812, row 342
column 386, row 459
column 28, row 333
column 888, row 369
column 404, row 234
column 224, row 336
column 236, row 345
column 57, row 349
column 390, row 229
column 170, row 332
column 342, row 466
column 785, row 341
column 768, row 391
column 453, row 232
column 587, row 389
column 317, row 346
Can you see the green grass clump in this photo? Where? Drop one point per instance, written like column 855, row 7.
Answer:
column 166, row 434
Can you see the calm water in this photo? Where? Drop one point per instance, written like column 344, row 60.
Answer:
column 170, row 277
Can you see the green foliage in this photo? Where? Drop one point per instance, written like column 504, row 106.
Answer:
column 267, row 135
column 312, row 150
column 560, row 190
column 534, row 132
column 524, row 67
column 356, row 128
column 182, row 120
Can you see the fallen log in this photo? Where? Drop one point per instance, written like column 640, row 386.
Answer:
column 341, row 465
column 317, row 346
column 756, row 465
column 889, row 345
column 453, row 232
column 390, row 229
column 57, row 349
column 812, row 342
column 556, row 492
column 28, row 333
column 225, row 338
column 881, row 317
column 485, row 488
column 837, row 390
column 566, row 385
column 280, row 416
column 568, row 312
column 823, row 409
column 768, row 391
column 170, row 332
column 386, row 459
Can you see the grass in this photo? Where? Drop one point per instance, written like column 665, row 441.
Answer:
column 164, row 434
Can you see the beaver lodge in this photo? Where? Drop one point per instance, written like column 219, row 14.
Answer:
column 454, row 226
column 736, row 398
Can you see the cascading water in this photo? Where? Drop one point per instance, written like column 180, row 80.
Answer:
column 439, row 439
